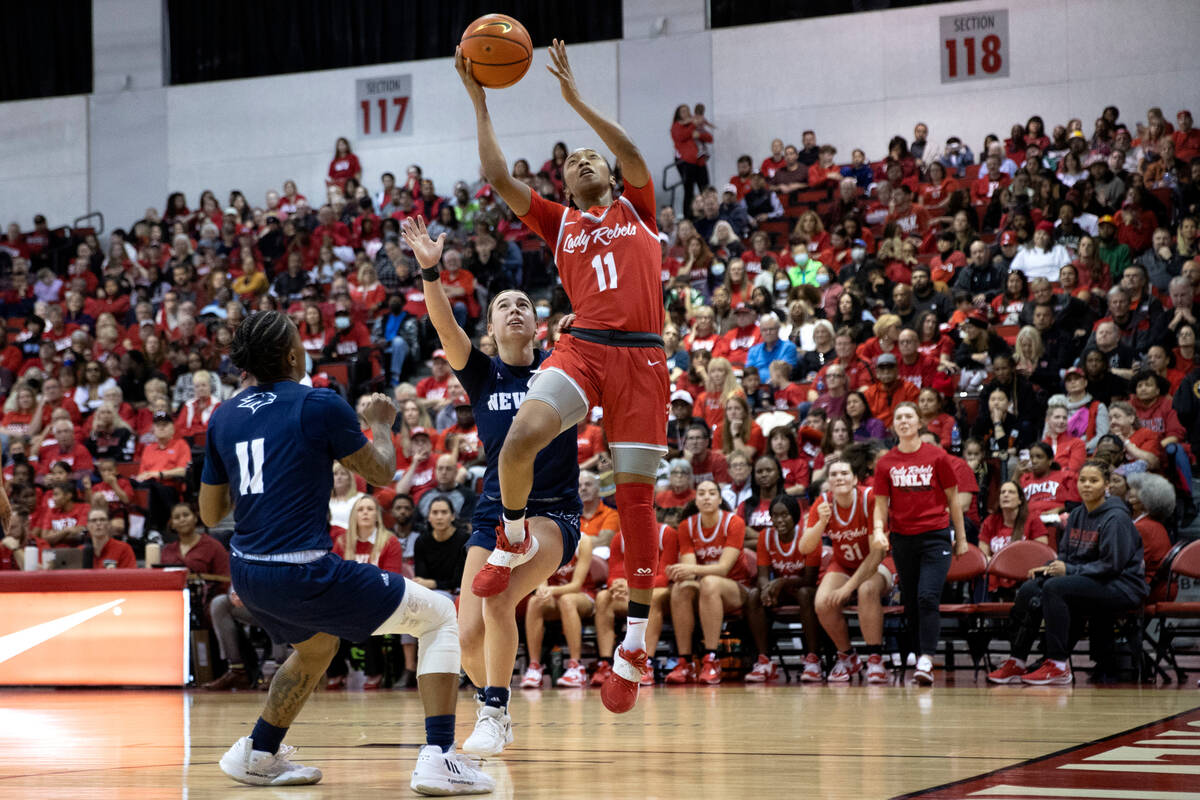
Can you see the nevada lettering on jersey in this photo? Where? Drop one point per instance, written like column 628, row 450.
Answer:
column 742, row 343
column 911, row 476
column 503, row 401
column 600, row 235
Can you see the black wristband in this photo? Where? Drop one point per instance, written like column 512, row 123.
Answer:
column 430, row 274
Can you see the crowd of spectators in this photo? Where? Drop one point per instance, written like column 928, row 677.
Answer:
column 1037, row 307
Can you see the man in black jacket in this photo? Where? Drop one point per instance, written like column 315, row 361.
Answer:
column 981, row 278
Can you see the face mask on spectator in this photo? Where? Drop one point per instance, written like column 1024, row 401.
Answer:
column 717, row 269
column 341, row 322
column 822, row 278
column 801, row 258
column 858, row 253
column 781, row 287
column 308, row 364
column 543, row 312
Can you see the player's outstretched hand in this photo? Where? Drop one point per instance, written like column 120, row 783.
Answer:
column 463, row 65
column 427, row 251
column 380, row 410
column 561, row 68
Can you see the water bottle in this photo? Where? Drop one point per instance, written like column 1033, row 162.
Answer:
column 556, row 664
column 955, row 440
column 31, row 558
column 153, row 554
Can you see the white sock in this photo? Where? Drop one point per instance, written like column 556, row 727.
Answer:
column 514, row 530
column 1060, row 664
column 635, row 635
column 1020, row 662
column 925, row 664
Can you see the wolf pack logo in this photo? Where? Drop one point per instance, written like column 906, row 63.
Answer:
column 257, row 400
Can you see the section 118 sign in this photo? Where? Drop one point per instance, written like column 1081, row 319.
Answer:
column 384, row 105
column 974, row 46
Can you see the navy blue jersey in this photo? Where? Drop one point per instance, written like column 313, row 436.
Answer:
column 496, row 390
column 275, row 446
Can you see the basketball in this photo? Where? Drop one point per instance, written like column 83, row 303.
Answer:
column 499, row 48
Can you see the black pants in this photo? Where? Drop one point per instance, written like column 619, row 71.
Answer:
column 922, row 562
column 1063, row 602
column 372, row 650
column 695, row 179
column 162, row 497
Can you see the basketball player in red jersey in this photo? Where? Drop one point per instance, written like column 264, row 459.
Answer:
column 608, row 256
column 857, row 571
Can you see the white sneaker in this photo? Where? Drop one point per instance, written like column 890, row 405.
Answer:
column 574, row 677
column 493, row 730
column 812, row 669
column 533, row 677
column 924, row 674
column 448, row 773
column 876, row 673
column 258, row 768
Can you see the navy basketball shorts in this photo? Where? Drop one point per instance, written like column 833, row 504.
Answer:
column 294, row 602
column 489, row 512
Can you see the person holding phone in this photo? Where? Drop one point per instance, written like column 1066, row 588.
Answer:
column 1100, row 570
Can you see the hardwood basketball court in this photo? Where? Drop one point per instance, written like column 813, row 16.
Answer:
column 685, row 742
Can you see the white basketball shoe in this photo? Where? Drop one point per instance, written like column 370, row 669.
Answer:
column 258, row 768
column 493, row 731
column 448, row 773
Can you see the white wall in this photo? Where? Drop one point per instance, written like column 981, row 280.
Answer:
column 43, row 160
column 855, row 79
column 252, row 134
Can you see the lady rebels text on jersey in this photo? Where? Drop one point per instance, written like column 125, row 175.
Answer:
column 848, row 531
column 606, row 249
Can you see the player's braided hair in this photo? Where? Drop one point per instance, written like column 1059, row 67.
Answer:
column 260, row 345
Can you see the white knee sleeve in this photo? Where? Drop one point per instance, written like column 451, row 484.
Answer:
column 431, row 618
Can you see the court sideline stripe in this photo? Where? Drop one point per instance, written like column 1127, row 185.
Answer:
column 1045, row 757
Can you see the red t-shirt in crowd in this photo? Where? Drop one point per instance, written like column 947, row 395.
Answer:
column 713, row 467
column 669, row 498
column 996, row 535
column 590, row 441
column 432, row 388
column 390, row 560
column 915, row 484
column 114, row 555
column 205, row 556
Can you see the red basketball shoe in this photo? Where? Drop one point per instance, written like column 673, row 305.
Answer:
column 620, row 690
column 603, row 670
column 493, row 578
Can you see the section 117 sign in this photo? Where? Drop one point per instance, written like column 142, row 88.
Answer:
column 974, row 46
column 384, row 105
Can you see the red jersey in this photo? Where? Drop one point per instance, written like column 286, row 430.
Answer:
column 784, row 560
column 708, row 543
column 915, row 485
column 848, row 530
column 602, row 250
column 997, row 535
column 390, row 560
column 1051, row 490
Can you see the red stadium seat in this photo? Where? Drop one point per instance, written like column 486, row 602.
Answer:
column 972, row 172
column 1172, row 613
column 337, row 370
column 1013, row 563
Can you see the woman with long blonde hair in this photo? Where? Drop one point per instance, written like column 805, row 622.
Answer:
column 368, row 541
column 719, row 385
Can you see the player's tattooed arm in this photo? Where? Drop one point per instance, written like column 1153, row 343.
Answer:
column 633, row 166
column 376, row 460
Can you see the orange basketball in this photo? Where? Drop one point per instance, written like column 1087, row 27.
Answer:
column 499, row 48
